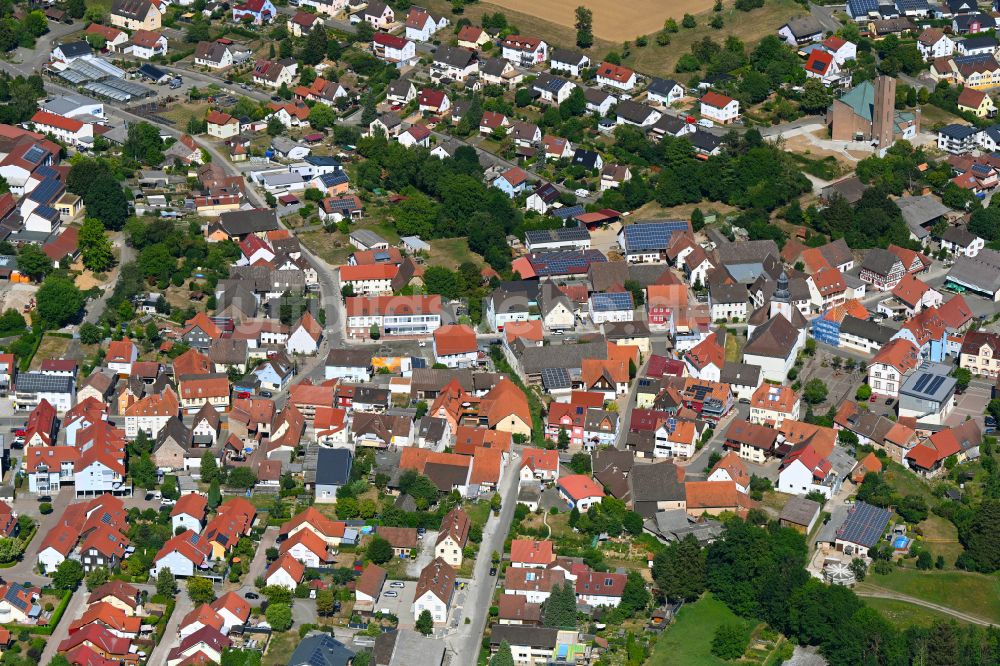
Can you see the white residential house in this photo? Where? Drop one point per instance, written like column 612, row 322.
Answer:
column 719, row 108
column 933, row 43
column 664, row 92
column 568, row 61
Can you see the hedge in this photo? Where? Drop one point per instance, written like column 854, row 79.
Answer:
column 53, row 622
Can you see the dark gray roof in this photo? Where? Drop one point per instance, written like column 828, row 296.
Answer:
column 799, row 510
column 740, row 374
column 959, row 236
column 625, row 330
column 349, row 358
column 661, row 86
column 728, row 293
column 929, row 382
column 959, row 132
column 654, row 483
column 568, row 56
column 748, row 252
column 333, row 467
column 805, row 26
column 321, row 650
column 670, row 124
column 243, row 222
column 775, row 338
column 560, row 235
column 537, row 637
column 850, row 188
column 568, row 356
column 455, row 56
column 634, row 112
column 981, row 272
column 173, row 430
column 868, row 330
column 921, row 210
column 75, row 49
column 879, row 261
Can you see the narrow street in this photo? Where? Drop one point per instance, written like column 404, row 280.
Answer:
column 463, row 643
column 184, row 606
column 74, row 610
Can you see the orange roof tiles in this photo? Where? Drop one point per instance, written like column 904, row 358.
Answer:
column 580, row 486
column 455, row 339
column 774, row 398
column 900, row 354
column 528, row 551
column 715, row 495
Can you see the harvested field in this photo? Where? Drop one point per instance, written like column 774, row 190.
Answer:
column 615, row 21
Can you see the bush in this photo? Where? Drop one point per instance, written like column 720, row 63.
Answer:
column 730, row 641
column 45, row 508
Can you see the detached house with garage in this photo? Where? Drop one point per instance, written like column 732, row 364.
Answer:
column 420, row 25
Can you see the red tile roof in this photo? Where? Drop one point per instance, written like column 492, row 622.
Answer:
column 580, row 486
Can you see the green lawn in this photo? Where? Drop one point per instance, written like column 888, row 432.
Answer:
column 452, row 252
column 906, row 482
column 903, row 614
column 972, row 593
column 688, row 641
column 940, row 537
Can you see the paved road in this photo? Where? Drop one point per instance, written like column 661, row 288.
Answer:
column 126, row 255
column 463, row 645
column 74, row 610
column 259, row 562
column 184, row 606
column 824, row 14
column 875, row 592
column 24, row 570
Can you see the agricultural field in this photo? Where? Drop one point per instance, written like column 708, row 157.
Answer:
column 750, row 27
column 615, row 21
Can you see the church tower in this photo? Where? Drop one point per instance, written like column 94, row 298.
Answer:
column 781, row 300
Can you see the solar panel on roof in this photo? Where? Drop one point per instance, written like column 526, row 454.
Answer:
column 565, row 263
column 864, row 525
column 935, row 385
column 921, row 382
column 651, row 235
column 555, row 378
column 859, row 7
column 45, row 191
column 566, row 212
column 612, row 301
column 34, row 154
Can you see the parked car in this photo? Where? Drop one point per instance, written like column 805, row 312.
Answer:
column 252, row 595
column 390, row 593
column 266, row 394
column 493, row 571
column 397, row 583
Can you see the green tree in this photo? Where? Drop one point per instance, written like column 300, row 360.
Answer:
column 815, row 391
column 241, row 477
column 59, row 301
column 95, row 247
column 209, row 468
column 33, row 262
column 635, row 596
column 816, row 97
column 379, row 550
column 859, row 567
column 68, row 575
column 166, row 586
column 200, row 590
column 143, row 472
column 322, row 116
column 981, row 538
column 76, row 8
column 584, row 27
column 105, row 200
column 962, row 378
column 730, row 641
column 315, row 47
column 325, row 600
column 679, row 570
column 863, row 393
column 563, row 439
column 503, row 656
column 96, row 577
column 559, row 610
column 425, row 623
column 688, row 21
column 143, row 144
column 214, row 494
column 580, row 463
column 279, row 616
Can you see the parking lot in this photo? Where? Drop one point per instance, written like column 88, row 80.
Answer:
column 400, row 605
column 971, row 404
